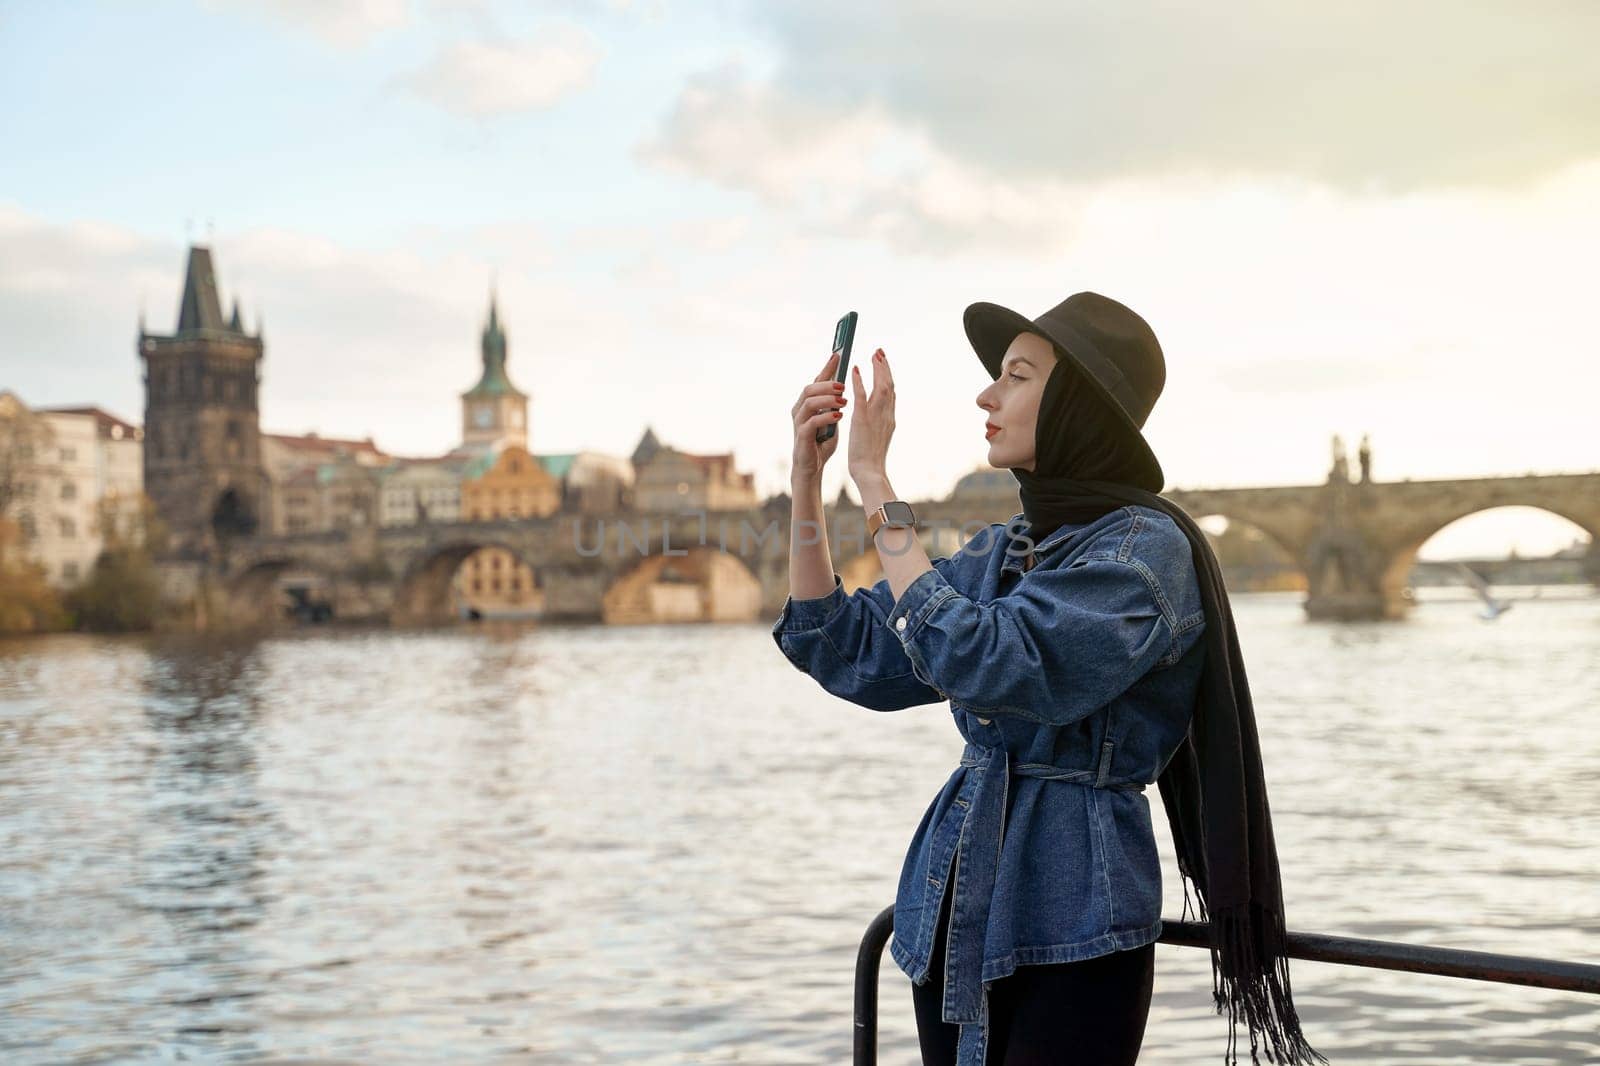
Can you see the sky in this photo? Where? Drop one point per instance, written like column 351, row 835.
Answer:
column 1342, row 219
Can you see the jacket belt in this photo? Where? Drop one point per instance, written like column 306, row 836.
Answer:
column 977, row 861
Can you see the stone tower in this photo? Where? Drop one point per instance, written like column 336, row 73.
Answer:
column 494, row 412
column 202, row 444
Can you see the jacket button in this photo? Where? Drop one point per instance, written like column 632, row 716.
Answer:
column 900, row 623
column 985, row 721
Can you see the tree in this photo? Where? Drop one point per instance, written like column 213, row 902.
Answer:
column 27, row 461
column 123, row 591
column 28, row 603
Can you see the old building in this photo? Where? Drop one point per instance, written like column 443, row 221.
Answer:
column 297, row 503
column 986, row 486
column 591, row 482
column 667, row 479
column 67, row 472
column 27, row 457
column 417, row 490
column 320, row 483
column 284, row 453
column 202, row 448
column 496, row 583
column 506, row 482
column 349, row 492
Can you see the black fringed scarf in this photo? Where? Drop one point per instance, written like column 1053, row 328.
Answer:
column 1213, row 790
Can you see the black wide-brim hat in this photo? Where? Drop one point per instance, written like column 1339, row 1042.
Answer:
column 1115, row 350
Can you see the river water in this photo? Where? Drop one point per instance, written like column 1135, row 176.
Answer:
column 661, row 844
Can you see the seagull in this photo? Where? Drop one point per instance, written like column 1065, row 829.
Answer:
column 1492, row 608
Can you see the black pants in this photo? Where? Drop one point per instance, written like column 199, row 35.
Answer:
column 1091, row 1011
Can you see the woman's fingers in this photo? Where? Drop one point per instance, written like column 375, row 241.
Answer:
column 817, row 403
column 822, row 401
column 816, row 390
column 827, row 368
column 821, row 418
column 882, row 376
column 819, row 388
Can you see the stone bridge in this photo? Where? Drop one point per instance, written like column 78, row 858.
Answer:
column 1355, row 542
column 592, row 567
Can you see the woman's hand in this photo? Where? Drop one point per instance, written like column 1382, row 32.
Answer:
column 872, row 423
column 820, row 403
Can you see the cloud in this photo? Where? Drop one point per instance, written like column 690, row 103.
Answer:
column 486, row 13
column 481, row 78
column 1364, row 95
column 344, row 23
column 855, row 171
column 988, row 125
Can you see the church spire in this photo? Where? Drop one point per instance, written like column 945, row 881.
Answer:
column 494, row 338
column 200, row 309
column 494, row 381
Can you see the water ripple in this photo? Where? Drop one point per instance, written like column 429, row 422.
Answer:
column 661, row 844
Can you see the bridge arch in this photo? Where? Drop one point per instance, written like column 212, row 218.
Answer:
column 1257, row 558
column 423, row 595
column 256, row 598
column 1404, row 548
column 703, row 584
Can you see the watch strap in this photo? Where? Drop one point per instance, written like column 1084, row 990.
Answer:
column 879, row 518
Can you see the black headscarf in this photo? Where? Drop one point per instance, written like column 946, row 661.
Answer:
column 1212, row 788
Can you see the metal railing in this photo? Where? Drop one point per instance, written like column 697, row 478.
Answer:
column 1313, row 947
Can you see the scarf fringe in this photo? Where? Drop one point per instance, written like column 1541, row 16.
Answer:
column 1239, row 985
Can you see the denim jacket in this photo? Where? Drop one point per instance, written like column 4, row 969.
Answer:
column 1072, row 682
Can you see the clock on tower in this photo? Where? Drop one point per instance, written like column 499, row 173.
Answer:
column 494, row 411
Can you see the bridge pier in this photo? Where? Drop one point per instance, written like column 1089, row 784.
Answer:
column 1356, row 607
column 1350, row 579
column 1591, row 564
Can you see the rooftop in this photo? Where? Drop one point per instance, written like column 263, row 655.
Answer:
column 312, row 442
column 107, row 425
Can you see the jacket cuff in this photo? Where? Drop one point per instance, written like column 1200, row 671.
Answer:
column 920, row 599
column 800, row 615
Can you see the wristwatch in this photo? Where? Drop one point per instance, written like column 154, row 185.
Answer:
column 896, row 513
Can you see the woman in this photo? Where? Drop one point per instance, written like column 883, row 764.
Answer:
column 1087, row 649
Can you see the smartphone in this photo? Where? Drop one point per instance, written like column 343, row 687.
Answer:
column 844, row 335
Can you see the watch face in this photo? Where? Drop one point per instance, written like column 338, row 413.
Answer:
column 899, row 512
